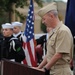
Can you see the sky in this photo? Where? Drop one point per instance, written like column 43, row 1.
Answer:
column 65, row 0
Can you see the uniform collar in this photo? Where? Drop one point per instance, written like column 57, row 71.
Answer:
column 50, row 33
column 57, row 27
column 16, row 35
column 8, row 38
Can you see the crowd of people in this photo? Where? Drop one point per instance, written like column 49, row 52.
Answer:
column 58, row 45
column 11, row 46
column 11, row 42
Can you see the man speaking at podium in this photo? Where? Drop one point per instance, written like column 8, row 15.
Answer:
column 59, row 43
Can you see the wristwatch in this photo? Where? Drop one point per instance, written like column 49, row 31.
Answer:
column 47, row 72
column 45, row 69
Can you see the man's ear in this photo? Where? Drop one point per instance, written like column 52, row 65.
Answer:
column 51, row 15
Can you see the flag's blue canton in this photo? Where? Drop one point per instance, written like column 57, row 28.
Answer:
column 29, row 31
column 70, row 16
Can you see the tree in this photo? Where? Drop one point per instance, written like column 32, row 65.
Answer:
column 9, row 6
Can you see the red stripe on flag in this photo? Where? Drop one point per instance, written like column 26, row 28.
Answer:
column 24, row 61
column 33, row 61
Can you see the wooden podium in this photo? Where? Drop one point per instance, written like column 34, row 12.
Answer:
column 13, row 68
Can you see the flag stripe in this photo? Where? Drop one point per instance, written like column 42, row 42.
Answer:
column 30, row 54
column 29, row 34
column 24, row 61
column 27, row 57
column 32, row 48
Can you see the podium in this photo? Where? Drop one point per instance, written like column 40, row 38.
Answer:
column 14, row 68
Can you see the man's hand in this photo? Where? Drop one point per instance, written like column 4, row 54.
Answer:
column 38, row 69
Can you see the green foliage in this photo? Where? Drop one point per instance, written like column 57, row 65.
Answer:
column 6, row 6
column 22, row 17
column 21, row 3
column 39, row 2
column 43, row 27
column 3, row 18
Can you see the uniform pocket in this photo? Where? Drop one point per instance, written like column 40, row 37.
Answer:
column 52, row 40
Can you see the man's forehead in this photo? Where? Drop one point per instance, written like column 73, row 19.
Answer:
column 45, row 16
column 16, row 27
column 8, row 29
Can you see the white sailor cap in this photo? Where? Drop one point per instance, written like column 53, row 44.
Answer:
column 7, row 25
column 17, row 24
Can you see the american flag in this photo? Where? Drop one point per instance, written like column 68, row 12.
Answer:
column 29, row 33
